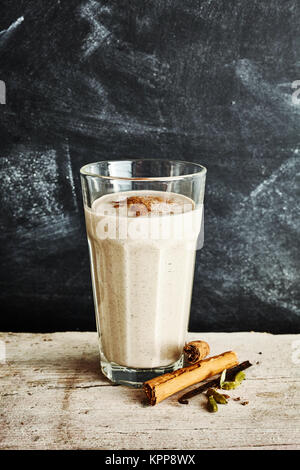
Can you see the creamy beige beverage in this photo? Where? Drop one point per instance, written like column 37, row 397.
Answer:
column 142, row 246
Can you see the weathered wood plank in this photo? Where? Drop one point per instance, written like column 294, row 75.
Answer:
column 53, row 396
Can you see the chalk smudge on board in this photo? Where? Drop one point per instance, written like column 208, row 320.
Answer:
column 253, row 80
column 92, row 11
column 7, row 33
column 64, row 164
column 253, row 262
column 30, row 192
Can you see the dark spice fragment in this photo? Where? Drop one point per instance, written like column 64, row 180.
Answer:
column 230, row 374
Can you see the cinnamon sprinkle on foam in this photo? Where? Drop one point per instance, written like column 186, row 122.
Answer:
column 142, row 205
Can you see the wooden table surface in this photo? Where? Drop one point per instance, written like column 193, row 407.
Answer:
column 53, row 396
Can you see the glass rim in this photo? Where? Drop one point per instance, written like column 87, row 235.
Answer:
column 202, row 170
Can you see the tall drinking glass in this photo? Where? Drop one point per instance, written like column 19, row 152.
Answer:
column 143, row 221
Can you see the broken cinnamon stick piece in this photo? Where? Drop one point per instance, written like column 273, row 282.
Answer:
column 165, row 385
column 196, row 350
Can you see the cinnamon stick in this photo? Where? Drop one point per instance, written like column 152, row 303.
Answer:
column 230, row 374
column 196, row 350
column 165, row 385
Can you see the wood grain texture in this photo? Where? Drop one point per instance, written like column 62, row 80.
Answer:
column 53, row 396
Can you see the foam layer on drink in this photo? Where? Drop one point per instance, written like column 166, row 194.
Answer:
column 143, row 204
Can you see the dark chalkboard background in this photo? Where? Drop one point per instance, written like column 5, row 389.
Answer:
column 207, row 81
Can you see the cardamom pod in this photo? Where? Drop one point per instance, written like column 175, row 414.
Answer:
column 212, row 404
column 219, row 398
column 240, row 376
column 229, row 385
column 222, row 378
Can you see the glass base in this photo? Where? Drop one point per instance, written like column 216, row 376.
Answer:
column 135, row 377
